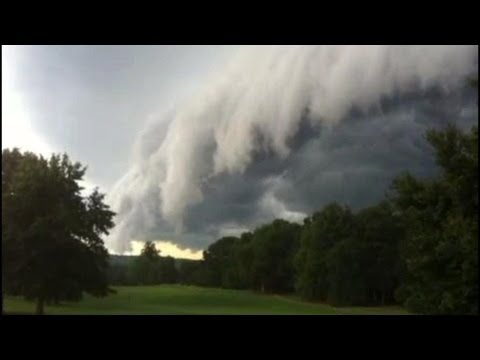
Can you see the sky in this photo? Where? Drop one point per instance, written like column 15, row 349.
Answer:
column 91, row 101
column 191, row 143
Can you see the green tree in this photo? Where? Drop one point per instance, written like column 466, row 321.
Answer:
column 52, row 248
column 274, row 246
column 216, row 260
column 346, row 265
column 239, row 269
column 190, row 272
column 146, row 267
column 168, row 270
column 365, row 268
column 441, row 249
column 320, row 234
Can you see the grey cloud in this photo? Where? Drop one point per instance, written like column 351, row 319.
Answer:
column 283, row 130
column 356, row 161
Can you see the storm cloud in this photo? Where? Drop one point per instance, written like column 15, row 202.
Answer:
column 282, row 130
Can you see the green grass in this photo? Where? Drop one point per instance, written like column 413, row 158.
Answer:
column 178, row 299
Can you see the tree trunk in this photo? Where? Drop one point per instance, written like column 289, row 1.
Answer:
column 40, row 303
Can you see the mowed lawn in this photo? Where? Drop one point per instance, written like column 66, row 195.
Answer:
column 191, row 300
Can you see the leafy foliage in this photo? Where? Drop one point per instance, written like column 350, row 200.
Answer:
column 441, row 247
column 320, row 234
column 150, row 268
column 52, row 248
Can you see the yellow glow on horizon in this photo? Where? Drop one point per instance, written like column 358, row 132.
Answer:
column 167, row 249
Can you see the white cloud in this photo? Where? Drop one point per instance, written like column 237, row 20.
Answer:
column 256, row 103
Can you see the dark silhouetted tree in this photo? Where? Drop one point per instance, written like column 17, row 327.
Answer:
column 52, row 248
column 441, row 216
column 146, row 267
column 274, row 246
column 216, row 260
column 365, row 268
column 320, row 234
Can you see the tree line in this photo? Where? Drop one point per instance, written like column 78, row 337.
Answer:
column 418, row 247
column 149, row 268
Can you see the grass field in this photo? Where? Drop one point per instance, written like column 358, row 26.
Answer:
column 190, row 300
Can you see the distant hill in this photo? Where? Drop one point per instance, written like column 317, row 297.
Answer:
column 121, row 259
column 180, row 262
column 126, row 259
